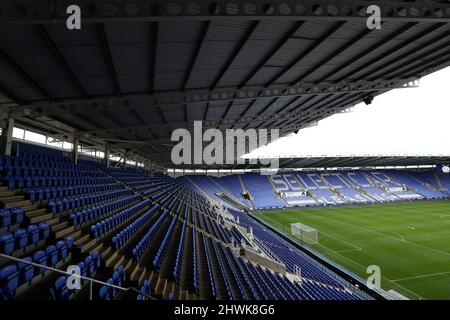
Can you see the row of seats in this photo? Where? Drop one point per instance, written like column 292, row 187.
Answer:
column 180, row 252
column 86, row 215
column 142, row 245
column 110, row 223
column 119, row 240
column 21, row 238
column 72, row 202
column 37, row 194
column 14, row 275
column 88, row 267
column 144, row 291
column 163, row 247
column 108, row 292
column 11, row 216
column 52, row 179
column 14, row 163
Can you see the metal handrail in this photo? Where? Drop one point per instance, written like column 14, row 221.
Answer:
column 91, row 280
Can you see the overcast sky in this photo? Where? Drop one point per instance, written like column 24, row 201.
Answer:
column 414, row 121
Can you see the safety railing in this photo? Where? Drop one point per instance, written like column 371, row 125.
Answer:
column 90, row 280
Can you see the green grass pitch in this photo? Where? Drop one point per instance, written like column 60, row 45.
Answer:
column 410, row 242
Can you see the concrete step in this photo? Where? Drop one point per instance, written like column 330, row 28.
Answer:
column 98, row 247
column 129, row 265
column 87, row 246
column 30, row 207
column 184, row 295
column 6, row 193
column 141, row 277
column 136, row 272
column 52, row 222
column 191, row 296
column 35, row 212
column 11, row 198
column 105, row 252
column 42, row 217
column 110, row 258
column 65, row 232
column 16, row 203
column 120, row 259
column 161, row 287
column 59, row 226
column 83, row 239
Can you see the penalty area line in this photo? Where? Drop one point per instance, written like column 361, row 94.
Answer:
column 422, row 276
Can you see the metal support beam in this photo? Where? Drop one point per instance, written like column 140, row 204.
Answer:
column 223, row 94
column 25, row 76
column 109, row 59
column 289, row 116
column 196, row 51
column 154, row 55
column 10, row 95
column 231, row 58
column 46, row 12
column 47, row 39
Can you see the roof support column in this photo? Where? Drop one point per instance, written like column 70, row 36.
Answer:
column 75, row 142
column 6, row 139
column 107, row 155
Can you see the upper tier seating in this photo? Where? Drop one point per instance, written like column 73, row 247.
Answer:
column 260, row 188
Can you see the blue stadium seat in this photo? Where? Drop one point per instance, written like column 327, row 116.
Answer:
column 33, row 233
column 5, row 218
column 6, row 243
column 21, row 238
column 62, row 249
column 26, row 270
column 44, row 230
column 104, row 293
column 59, row 291
column 39, row 257
column 52, row 255
column 9, row 279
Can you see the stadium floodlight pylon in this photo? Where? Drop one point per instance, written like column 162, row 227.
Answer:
column 304, row 233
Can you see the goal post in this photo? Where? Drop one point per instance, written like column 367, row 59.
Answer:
column 304, row 233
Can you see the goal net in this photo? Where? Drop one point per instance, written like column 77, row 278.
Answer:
column 304, row 233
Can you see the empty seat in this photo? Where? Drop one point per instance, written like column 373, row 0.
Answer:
column 6, row 243
column 21, row 238
column 90, row 265
column 44, row 230
column 52, row 255
column 26, row 270
column 82, row 267
column 5, row 218
column 17, row 215
column 97, row 259
column 59, row 291
column 62, row 249
column 9, row 279
column 40, row 258
column 33, row 233
column 104, row 293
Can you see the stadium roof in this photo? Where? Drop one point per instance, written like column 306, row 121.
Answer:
column 369, row 161
column 137, row 70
